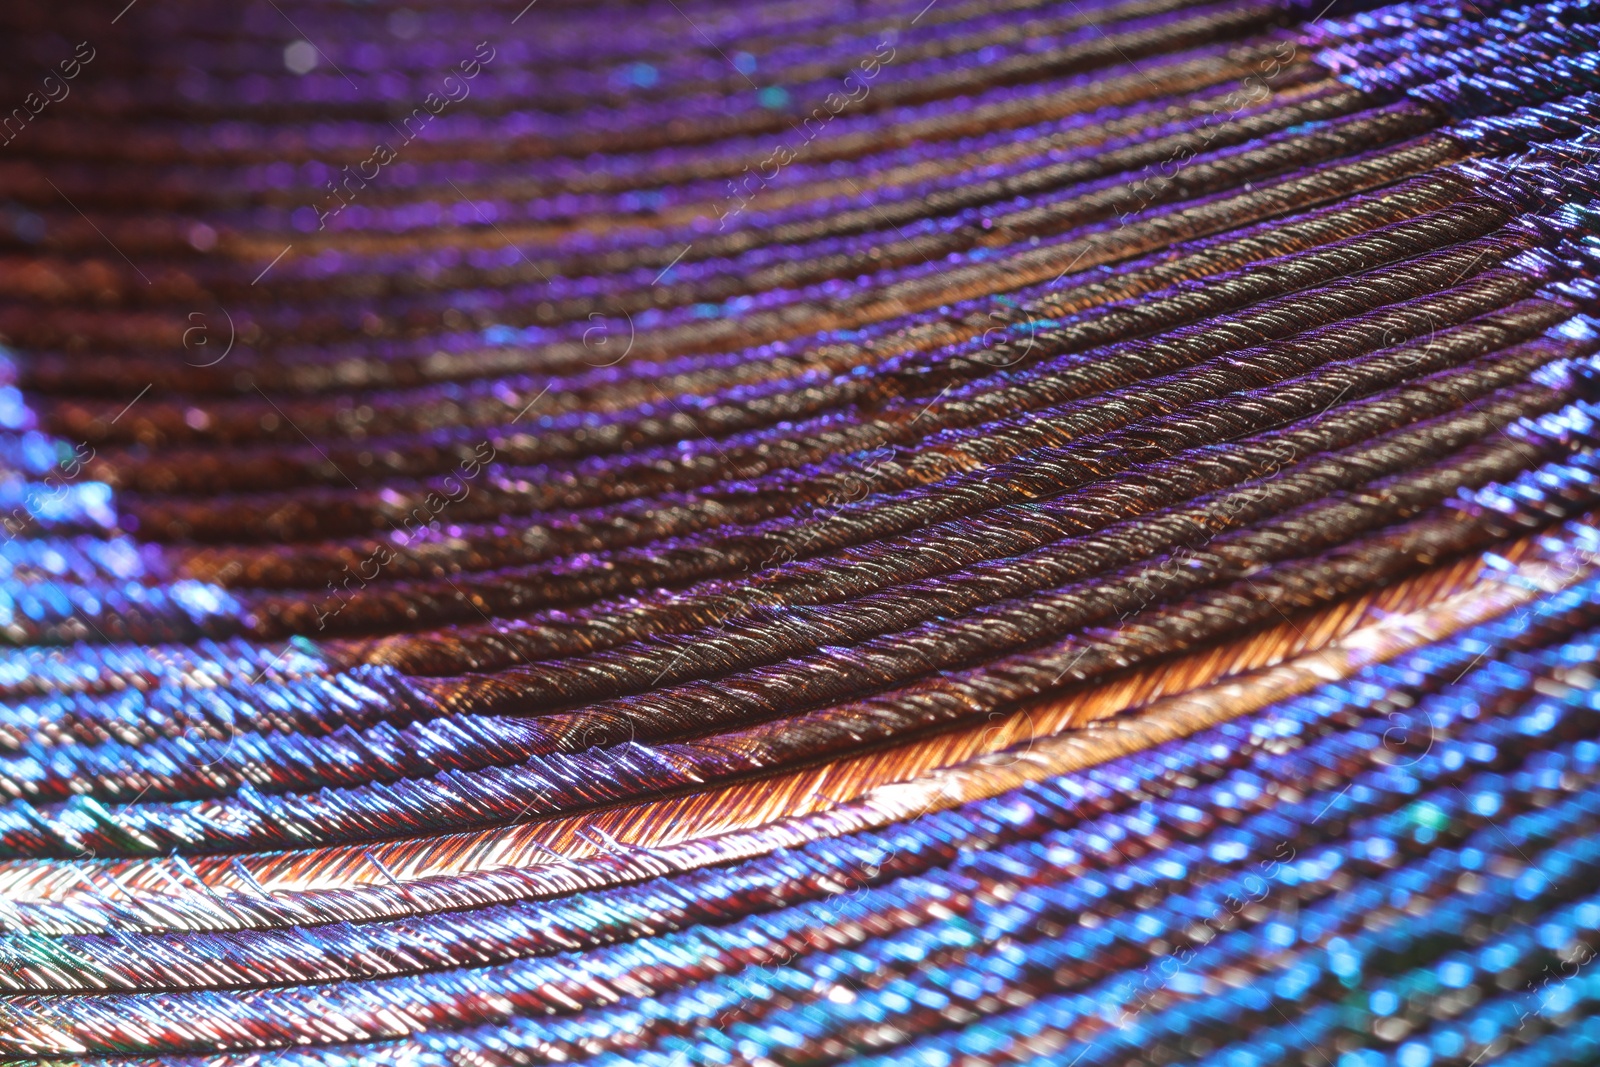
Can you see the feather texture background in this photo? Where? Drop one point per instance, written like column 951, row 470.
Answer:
column 801, row 531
